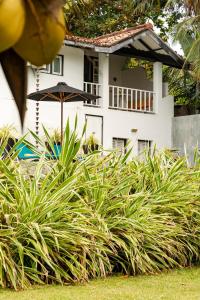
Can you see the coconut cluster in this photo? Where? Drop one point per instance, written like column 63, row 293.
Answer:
column 34, row 28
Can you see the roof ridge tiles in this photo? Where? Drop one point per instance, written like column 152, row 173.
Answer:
column 110, row 39
column 126, row 30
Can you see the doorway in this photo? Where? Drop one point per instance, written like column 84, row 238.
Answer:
column 94, row 127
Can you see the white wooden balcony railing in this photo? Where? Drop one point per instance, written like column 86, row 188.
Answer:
column 131, row 99
column 92, row 88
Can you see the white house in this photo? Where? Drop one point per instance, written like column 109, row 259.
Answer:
column 131, row 107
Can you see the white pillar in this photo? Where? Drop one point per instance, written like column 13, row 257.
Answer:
column 157, row 84
column 104, row 79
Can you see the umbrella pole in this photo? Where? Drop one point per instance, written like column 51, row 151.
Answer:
column 61, row 120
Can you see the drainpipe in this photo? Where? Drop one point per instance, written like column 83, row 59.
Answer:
column 37, row 108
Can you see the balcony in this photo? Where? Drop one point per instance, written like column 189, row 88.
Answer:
column 122, row 98
column 92, row 88
column 129, row 99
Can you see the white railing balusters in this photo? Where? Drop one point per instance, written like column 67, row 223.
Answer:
column 153, row 103
column 117, row 96
column 127, row 94
column 92, row 88
column 140, row 93
column 149, row 101
column 131, row 106
column 136, row 100
column 123, row 98
column 145, row 101
column 113, row 98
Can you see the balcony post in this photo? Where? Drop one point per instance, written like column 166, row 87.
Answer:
column 104, row 79
column 157, row 85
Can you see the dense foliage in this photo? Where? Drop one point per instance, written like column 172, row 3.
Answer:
column 184, row 87
column 104, row 16
column 69, row 220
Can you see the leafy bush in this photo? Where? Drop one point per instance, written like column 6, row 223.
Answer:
column 70, row 220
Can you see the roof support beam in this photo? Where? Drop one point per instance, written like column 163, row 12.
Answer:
column 146, row 55
column 152, row 51
column 145, row 45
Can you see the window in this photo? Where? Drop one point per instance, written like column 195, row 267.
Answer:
column 119, row 144
column 144, row 145
column 56, row 67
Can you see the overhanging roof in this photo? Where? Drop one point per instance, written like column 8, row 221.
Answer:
column 140, row 42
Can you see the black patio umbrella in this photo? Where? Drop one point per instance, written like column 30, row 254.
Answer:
column 62, row 93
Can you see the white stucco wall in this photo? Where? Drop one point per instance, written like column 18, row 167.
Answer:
column 154, row 127
column 73, row 76
column 116, row 123
column 8, row 110
column 49, row 112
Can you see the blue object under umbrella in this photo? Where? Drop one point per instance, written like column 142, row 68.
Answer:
column 26, row 153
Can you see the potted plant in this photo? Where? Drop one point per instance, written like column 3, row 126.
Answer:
column 91, row 144
column 7, row 137
column 56, row 136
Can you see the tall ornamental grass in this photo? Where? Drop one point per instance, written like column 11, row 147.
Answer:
column 68, row 220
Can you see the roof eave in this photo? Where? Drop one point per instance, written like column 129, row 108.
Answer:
column 168, row 49
column 115, row 48
column 78, row 44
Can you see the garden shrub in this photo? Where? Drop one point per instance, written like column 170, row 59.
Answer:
column 70, row 220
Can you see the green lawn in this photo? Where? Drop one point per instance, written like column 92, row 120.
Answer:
column 178, row 284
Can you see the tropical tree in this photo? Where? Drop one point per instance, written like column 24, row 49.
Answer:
column 187, row 32
column 187, row 88
column 103, row 16
column 184, row 87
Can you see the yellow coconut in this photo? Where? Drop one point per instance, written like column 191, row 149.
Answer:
column 12, row 19
column 43, row 34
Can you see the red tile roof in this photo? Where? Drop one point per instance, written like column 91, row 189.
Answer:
column 113, row 42
column 111, row 39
